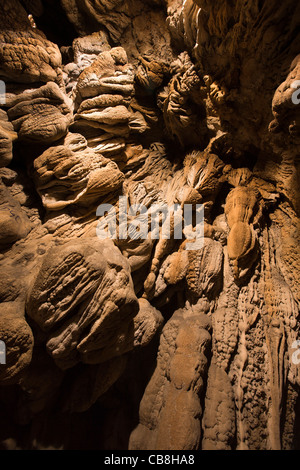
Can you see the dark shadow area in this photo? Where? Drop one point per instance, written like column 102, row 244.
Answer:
column 53, row 22
column 106, row 425
column 296, row 435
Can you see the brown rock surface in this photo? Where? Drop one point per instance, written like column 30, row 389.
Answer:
column 18, row 338
column 42, row 115
column 170, row 411
column 73, row 165
column 26, row 55
column 142, row 109
column 7, row 137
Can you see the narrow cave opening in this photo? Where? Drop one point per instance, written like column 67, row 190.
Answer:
column 21, row 164
column 51, row 13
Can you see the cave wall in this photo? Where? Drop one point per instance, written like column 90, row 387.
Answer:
column 133, row 343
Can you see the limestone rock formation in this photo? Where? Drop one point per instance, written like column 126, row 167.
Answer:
column 80, row 268
column 18, row 339
column 26, row 55
column 170, row 411
column 7, row 137
column 75, row 166
column 240, row 206
column 14, row 221
column 41, row 115
column 149, row 215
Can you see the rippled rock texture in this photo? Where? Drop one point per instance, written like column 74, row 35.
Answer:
column 137, row 342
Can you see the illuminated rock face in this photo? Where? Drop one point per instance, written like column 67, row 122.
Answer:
column 138, row 342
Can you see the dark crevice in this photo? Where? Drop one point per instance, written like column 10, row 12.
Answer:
column 218, row 206
column 296, row 440
column 53, row 22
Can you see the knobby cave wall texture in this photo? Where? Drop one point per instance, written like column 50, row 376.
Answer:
column 138, row 343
